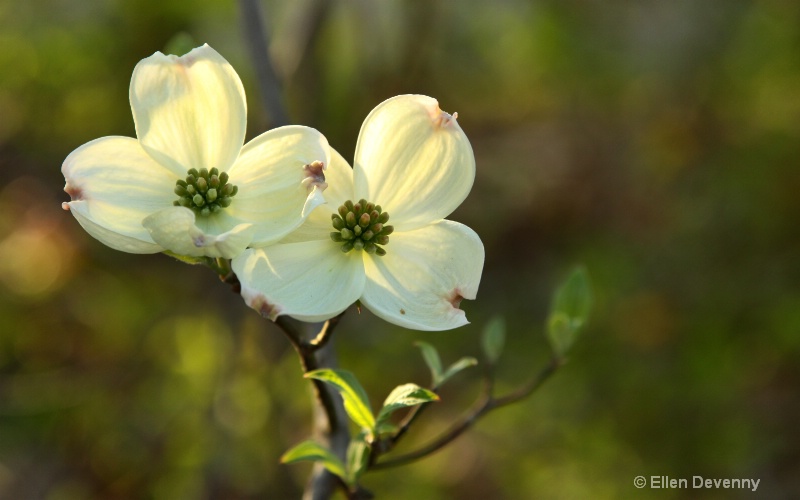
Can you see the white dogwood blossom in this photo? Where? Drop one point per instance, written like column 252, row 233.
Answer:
column 414, row 162
column 186, row 185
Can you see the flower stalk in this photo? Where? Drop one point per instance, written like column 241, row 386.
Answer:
column 330, row 420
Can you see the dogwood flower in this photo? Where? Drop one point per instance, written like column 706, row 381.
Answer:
column 414, row 162
column 187, row 185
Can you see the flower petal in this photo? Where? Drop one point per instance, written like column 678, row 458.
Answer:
column 114, row 184
column 414, row 160
column 310, row 281
column 190, row 111
column 176, row 230
column 114, row 240
column 317, row 226
column 340, row 181
column 425, row 273
column 270, row 174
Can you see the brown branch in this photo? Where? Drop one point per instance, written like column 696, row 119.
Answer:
column 405, row 424
column 257, row 38
column 484, row 405
column 298, row 35
column 529, row 388
column 307, row 351
column 330, row 421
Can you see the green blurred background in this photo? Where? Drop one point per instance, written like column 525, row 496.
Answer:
column 655, row 142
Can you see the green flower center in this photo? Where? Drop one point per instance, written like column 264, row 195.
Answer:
column 204, row 191
column 361, row 226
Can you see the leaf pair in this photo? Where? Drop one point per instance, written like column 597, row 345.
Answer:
column 434, row 362
column 356, row 402
column 358, row 408
column 357, row 458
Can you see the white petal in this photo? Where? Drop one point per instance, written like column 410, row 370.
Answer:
column 424, row 275
column 340, row 181
column 315, row 198
column 270, row 174
column 190, row 111
column 176, row 230
column 414, row 160
column 114, row 240
column 114, row 184
column 310, row 281
column 318, row 226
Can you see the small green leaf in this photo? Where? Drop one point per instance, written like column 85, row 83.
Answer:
column 180, row 44
column 315, row 452
column 456, row 367
column 572, row 303
column 356, row 402
column 358, row 452
column 494, row 338
column 431, row 356
column 403, row 396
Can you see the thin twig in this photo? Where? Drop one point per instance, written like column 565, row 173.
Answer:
column 404, row 425
column 257, row 42
column 324, row 334
column 484, row 405
column 529, row 388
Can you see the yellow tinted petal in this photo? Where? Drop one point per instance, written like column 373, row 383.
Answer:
column 114, row 184
column 414, row 160
column 310, row 281
column 190, row 111
column 425, row 273
column 270, row 173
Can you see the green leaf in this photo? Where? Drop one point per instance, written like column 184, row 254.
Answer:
column 315, row 452
column 180, row 44
column 456, row 367
column 494, row 338
column 572, row 303
column 356, row 402
column 403, row 396
column 358, row 452
column 431, row 356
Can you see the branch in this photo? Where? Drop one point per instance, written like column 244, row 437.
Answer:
column 298, row 35
column 330, row 422
column 257, row 41
column 528, row 389
column 307, row 350
column 484, row 405
column 403, row 427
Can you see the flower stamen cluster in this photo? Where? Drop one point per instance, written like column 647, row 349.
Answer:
column 205, row 191
column 361, row 226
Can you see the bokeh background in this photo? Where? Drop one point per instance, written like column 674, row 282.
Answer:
column 657, row 143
